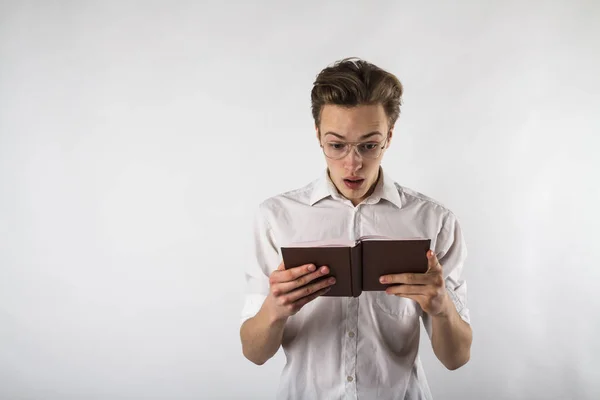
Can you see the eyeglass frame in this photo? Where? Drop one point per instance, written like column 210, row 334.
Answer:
column 355, row 146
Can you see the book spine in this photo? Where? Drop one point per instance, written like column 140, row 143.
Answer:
column 356, row 269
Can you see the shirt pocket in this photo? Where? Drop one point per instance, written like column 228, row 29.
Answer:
column 395, row 305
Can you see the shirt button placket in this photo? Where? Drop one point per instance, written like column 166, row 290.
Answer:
column 351, row 348
column 352, row 324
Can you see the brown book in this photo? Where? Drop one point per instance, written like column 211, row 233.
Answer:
column 357, row 265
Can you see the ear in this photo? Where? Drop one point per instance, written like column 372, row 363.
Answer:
column 318, row 133
column 390, row 135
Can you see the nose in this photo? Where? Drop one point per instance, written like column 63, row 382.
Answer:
column 353, row 160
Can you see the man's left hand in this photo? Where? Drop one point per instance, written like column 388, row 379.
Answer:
column 427, row 289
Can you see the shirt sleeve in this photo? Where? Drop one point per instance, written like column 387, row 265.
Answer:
column 257, row 273
column 451, row 251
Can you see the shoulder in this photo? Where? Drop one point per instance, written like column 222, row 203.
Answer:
column 414, row 199
column 274, row 205
column 431, row 211
column 412, row 196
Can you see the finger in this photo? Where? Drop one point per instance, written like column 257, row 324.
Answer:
column 307, row 299
column 416, row 297
column 285, row 287
column 406, row 278
column 281, row 267
column 432, row 262
column 291, row 274
column 408, row 289
column 307, row 290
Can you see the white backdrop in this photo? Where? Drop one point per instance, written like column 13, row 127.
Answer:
column 137, row 139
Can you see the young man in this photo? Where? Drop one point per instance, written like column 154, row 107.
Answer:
column 364, row 347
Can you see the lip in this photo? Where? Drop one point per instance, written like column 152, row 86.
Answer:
column 358, row 182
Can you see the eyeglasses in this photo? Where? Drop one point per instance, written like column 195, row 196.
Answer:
column 337, row 150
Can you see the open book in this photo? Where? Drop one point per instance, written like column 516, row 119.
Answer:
column 357, row 265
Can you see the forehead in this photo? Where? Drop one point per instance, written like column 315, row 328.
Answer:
column 353, row 122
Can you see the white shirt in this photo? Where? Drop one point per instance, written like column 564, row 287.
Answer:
column 344, row 347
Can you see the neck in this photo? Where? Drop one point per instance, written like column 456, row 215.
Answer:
column 374, row 185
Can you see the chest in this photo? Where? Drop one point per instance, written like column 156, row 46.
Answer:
column 331, row 221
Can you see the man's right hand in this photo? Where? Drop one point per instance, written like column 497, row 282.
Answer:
column 290, row 289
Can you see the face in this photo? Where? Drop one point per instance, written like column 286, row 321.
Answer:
column 354, row 175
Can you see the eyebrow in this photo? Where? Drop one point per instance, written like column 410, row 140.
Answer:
column 365, row 136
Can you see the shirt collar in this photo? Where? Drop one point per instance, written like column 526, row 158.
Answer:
column 323, row 188
column 385, row 189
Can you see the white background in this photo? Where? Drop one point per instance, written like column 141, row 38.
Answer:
column 137, row 139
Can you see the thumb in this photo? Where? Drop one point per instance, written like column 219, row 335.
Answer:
column 432, row 262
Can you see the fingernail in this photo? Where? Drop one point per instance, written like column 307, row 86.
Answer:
column 324, row 270
column 311, row 267
column 382, row 279
column 332, row 280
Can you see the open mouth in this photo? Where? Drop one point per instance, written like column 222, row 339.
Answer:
column 354, row 183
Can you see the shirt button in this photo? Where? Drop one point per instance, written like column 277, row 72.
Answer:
column 351, row 334
column 350, row 379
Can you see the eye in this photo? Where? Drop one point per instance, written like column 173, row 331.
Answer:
column 336, row 146
column 369, row 146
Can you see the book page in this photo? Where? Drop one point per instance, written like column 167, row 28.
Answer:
column 379, row 237
column 324, row 243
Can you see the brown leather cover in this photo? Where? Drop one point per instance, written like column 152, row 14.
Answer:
column 336, row 258
column 359, row 267
column 382, row 257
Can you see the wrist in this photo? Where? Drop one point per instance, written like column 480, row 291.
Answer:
column 447, row 310
column 270, row 314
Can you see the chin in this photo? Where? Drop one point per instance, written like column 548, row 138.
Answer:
column 354, row 194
